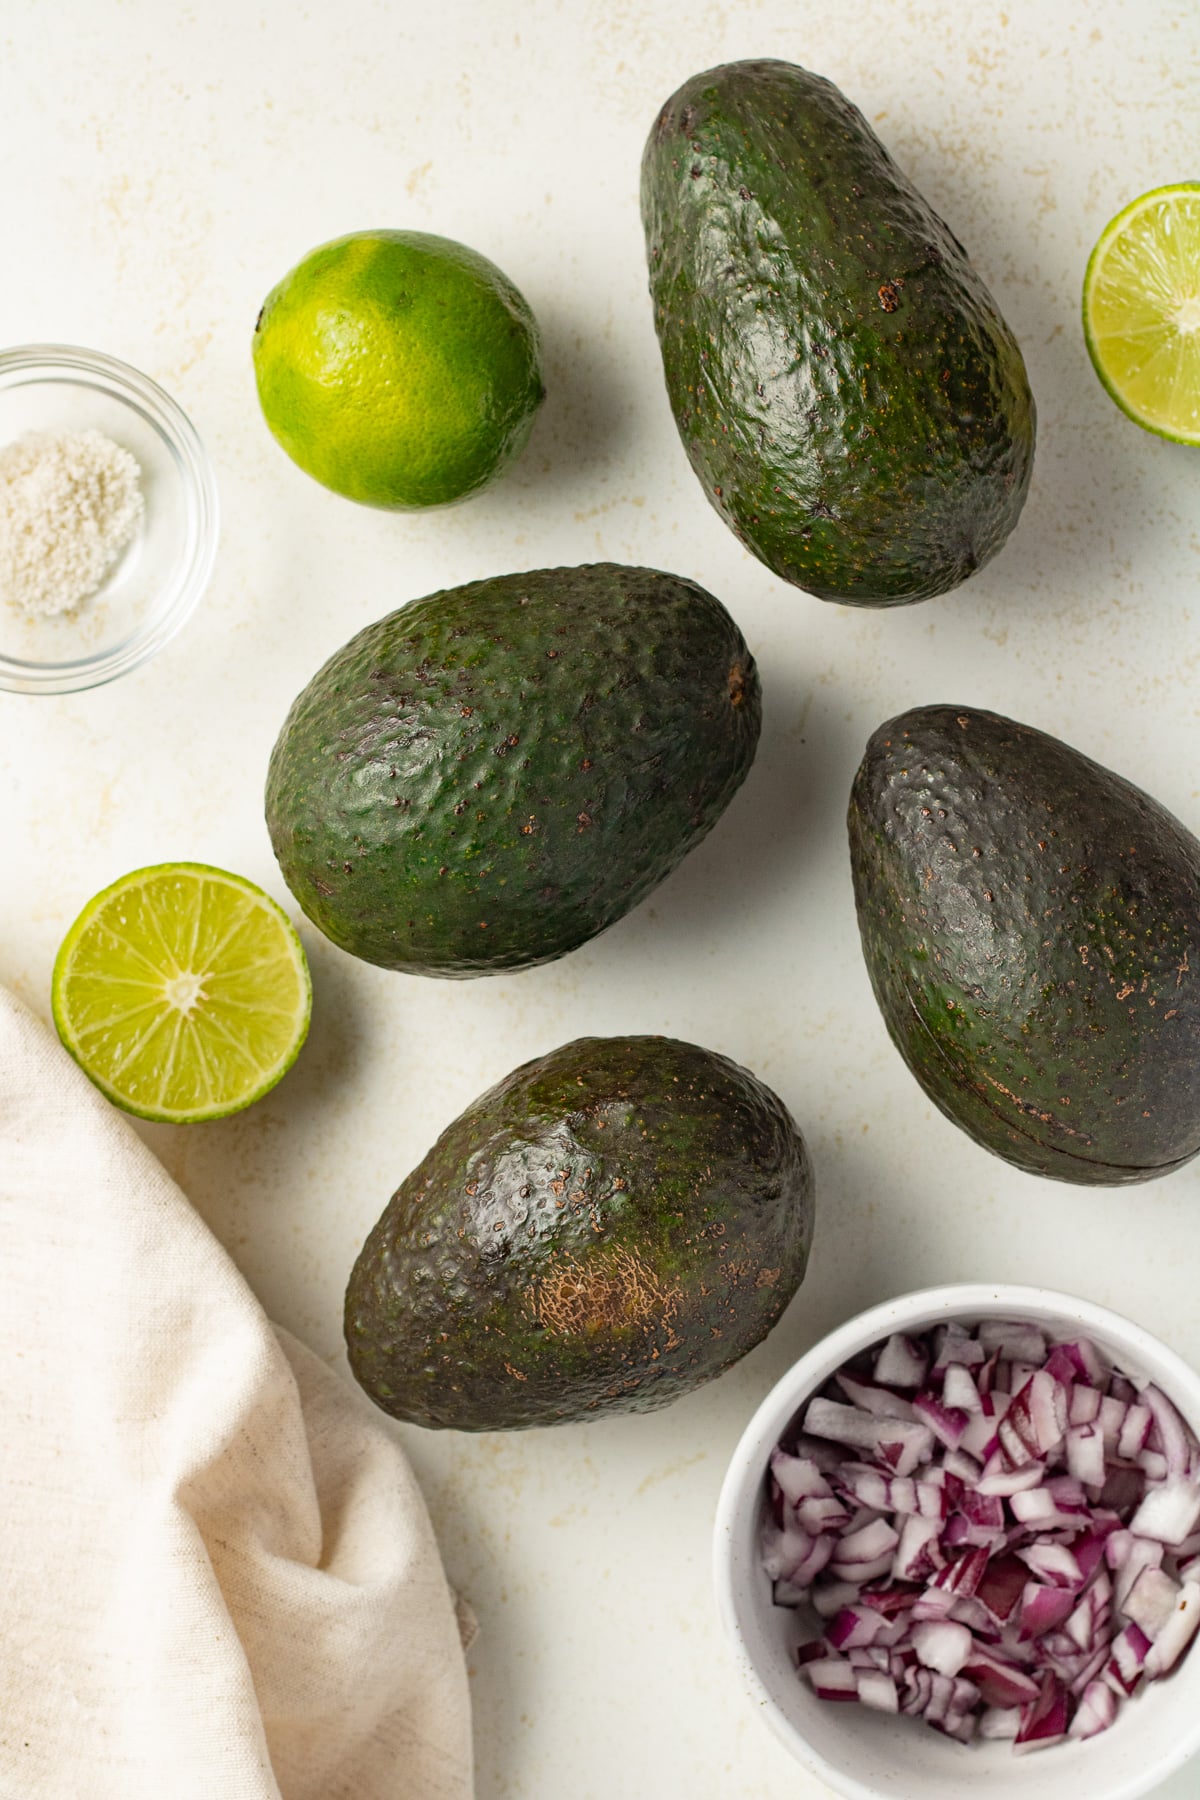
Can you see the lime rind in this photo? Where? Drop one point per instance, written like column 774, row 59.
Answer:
column 172, row 1062
column 1141, row 311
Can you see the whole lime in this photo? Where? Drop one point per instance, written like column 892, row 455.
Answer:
column 398, row 368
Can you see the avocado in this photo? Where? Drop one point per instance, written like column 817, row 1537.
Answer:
column 854, row 405
column 488, row 777
column 607, row 1228
column 1031, row 926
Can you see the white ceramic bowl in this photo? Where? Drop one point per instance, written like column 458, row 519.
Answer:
column 869, row 1755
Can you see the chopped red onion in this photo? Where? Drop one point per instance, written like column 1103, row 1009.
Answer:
column 1151, row 1600
column 900, row 1443
column 947, row 1423
column 1128, row 1557
column 1085, row 1455
column 1053, row 1563
column 1045, row 1720
column 871, row 1399
column 1003, row 1482
column 1129, row 1652
column 829, row 1595
column 901, row 1363
column 1176, row 1633
column 1084, row 1405
column 1169, row 1512
column 1043, row 1608
column 944, row 1646
column 879, row 1690
column 855, row 1628
column 1000, row 1722
column 1097, row 1710
column 1001, row 1536
column 1132, row 1432
column 1175, row 1441
column 833, row 1678
column 959, row 1391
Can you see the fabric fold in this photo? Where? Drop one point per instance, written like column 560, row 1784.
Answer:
column 219, row 1578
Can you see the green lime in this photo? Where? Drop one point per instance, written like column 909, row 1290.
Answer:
column 399, row 369
column 182, row 992
column 1141, row 310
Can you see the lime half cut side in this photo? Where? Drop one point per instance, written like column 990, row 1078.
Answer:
column 183, row 992
column 1141, row 310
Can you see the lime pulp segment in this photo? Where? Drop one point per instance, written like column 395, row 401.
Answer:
column 1141, row 310
column 183, row 992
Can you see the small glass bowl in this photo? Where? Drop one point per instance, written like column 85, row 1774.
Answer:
column 158, row 579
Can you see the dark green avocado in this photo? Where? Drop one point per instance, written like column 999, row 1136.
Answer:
column 854, row 405
column 490, row 776
column 610, row 1226
column 1031, row 926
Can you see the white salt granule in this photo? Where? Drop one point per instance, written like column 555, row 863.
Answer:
column 69, row 504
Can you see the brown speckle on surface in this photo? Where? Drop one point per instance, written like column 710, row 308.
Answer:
column 611, row 1286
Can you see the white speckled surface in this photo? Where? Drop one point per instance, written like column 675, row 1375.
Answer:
column 162, row 168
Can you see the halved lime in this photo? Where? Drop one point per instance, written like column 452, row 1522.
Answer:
column 183, row 992
column 1141, row 310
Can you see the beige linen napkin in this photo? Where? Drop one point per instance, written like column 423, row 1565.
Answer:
column 218, row 1580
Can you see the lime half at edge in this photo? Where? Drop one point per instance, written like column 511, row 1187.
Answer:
column 1141, row 310
column 183, row 992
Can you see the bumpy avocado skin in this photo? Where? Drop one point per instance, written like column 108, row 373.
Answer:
column 1031, row 926
column 490, row 776
column 854, row 405
column 609, row 1227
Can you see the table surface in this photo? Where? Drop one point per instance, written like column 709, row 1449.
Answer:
column 163, row 168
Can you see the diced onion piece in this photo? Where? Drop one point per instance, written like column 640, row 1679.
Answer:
column 1053, row 1563
column 867, row 1544
column 1096, row 1711
column 1000, row 1722
column 1084, row 1406
column 830, row 1595
column 783, row 1550
column 1012, row 1339
column 1133, row 1432
column 879, row 1691
column 1169, row 1512
column 1172, row 1432
column 918, row 1550
column 832, row 1678
column 953, row 1344
column 1044, row 1608
column 943, row 1646
column 1176, row 1634
column 1085, row 1455
column 798, row 1477
column 947, row 1423
column 1151, row 1600
column 878, row 1401
column 821, row 1513
column 901, row 1443
column 1138, row 1554
column 901, row 1363
column 959, row 1390
column 1125, row 1666
column 1045, row 1721
column 854, row 1628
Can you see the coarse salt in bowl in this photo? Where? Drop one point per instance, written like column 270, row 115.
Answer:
column 149, row 591
column 869, row 1755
